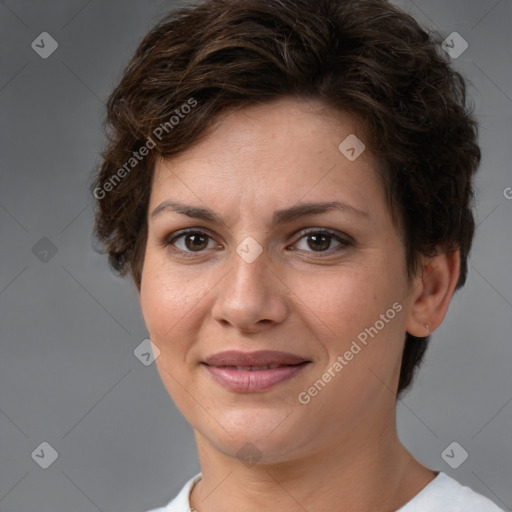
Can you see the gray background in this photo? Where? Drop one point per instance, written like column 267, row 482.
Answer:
column 68, row 374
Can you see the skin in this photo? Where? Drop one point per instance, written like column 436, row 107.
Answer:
column 341, row 447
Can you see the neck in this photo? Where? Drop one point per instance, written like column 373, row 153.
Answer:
column 360, row 472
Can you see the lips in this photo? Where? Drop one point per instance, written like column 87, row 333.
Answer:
column 253, row 359
column 250, row 372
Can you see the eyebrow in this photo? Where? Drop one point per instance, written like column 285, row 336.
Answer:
column 280, row 216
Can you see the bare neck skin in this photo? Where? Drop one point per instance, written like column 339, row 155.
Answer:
column 370, row 471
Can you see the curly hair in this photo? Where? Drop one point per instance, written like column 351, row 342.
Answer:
column 364, row 57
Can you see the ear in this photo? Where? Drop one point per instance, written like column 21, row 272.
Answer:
column 432, row 291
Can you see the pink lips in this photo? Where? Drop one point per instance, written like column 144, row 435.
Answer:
column 251, row 372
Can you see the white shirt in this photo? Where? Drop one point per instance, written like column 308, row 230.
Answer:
column 443, row 494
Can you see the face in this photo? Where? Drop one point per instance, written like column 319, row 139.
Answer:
column 266, row 237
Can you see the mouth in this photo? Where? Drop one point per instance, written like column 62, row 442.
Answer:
column 254, row 372
column 254, row 368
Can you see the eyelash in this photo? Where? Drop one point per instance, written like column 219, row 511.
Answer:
column 344, row 242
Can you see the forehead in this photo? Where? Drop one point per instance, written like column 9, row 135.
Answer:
column 274, row 153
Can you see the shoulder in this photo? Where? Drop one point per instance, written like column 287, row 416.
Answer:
column 444, row 494
column 181, row 502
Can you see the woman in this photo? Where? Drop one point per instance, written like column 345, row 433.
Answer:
column 289, row 184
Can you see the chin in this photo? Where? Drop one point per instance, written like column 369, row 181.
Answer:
column 261, row 436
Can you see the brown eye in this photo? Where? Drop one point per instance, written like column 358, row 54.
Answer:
column 196, row 242
column 192, row 241
column 319, row 242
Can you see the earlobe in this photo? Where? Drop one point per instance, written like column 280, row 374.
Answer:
column 435, row 286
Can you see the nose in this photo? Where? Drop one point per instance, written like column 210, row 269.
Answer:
column 251, row 298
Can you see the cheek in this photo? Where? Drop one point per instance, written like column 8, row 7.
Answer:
column 165, row 300
column 362, row 322
column 168, row 306
column 345, row 300
column 357, row 311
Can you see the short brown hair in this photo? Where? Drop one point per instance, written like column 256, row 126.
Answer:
column 364, row 57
